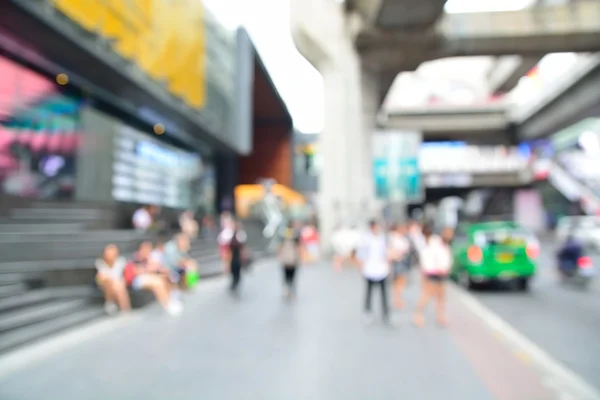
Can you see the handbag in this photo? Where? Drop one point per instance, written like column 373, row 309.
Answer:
column 129, row 272
column 288, row 255
column 191, row 278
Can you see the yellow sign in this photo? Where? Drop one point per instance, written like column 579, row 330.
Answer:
column 505, row 258
column 165, row 38
column 247, row 196
column 307, row 149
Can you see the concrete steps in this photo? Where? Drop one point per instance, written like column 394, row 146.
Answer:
column 109, row 236
column 33, row 332
column 39, row 296
column 60, row 213
column 47, row 254
column 38, row 313
column 12, row 289
column 13, row 226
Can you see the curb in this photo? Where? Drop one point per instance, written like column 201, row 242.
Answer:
column 554, row 374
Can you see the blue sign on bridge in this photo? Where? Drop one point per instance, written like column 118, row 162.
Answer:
column 398, row 179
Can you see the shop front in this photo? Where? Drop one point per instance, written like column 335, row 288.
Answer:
column 57, row 144
column 40, row 133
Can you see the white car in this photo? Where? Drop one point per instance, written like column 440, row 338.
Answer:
column 584, row 228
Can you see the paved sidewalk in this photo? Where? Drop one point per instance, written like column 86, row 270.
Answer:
column 260, row 347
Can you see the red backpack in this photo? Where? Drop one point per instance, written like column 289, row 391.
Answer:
column 129, row 272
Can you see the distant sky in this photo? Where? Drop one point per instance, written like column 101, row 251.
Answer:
column 462, row 6
column 298, row 82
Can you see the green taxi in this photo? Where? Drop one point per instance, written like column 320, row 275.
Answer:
column 494, row 251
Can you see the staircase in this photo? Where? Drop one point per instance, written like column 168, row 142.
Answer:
column 29, row 314
column 47, row 254
column 572, row 183
column 574, row 189
column 499, row 204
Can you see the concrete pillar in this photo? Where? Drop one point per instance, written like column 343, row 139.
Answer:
column 346, row 189
column 370, row 95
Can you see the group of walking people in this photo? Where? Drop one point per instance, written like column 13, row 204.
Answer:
column 394, row 254
column 380, row 255
column 297, row 244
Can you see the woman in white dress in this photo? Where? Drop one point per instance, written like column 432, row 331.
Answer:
column 435, row 258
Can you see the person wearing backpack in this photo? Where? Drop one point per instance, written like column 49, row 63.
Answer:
column 435, row 258
column 290, row 254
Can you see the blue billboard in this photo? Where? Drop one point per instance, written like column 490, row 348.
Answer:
column 396, row 166
column 398, row 179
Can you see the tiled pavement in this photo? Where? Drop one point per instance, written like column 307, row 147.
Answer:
column 260, row 347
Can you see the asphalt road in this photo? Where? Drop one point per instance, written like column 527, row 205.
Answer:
column 562, row 319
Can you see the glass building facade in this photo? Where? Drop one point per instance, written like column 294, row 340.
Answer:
column 149, row 172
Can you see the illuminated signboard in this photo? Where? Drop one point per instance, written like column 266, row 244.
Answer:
column 149, row 172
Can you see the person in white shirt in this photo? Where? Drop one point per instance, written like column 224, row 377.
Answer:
column 142, row 219
column 339, row 247
column 372, row 258
column 224, row 237
column 188, row 224
column 109, row 277
column 435, row 258
column 399, row 253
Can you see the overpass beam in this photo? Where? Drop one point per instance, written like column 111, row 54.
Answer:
column 529, row 32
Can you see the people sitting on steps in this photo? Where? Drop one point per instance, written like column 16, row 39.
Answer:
column 165, row 269
column 109, row 278
column 178, row 260
column 141, row 274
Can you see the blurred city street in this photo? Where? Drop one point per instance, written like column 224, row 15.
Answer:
column 262, row 347
column 167, row 166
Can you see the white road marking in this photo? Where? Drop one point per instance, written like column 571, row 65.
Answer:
column 565, row 380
